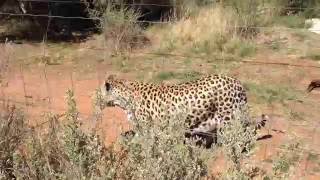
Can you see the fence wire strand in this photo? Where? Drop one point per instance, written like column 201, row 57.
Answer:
column 156, row 4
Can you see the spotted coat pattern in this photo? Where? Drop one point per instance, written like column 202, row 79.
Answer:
column 209, row 101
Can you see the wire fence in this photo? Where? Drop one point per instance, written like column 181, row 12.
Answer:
column 44, row 90
column 160, row 4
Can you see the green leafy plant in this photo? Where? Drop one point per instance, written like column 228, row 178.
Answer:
column 237, row 139
column 158, row 151
column 12, row 131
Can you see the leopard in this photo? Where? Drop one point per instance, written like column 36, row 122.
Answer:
column 211, row 101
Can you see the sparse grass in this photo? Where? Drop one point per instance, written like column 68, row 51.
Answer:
column 302, row 35
column 272, row 93
column 287, row 159
column 315, row 55
column 275, row 45
column 294, row 21
column 313, row 157
column 296, row 116
column 182, row 76
column 187, row 61
column 122, row 63
column 222, row 67
column 164, row 76
column 48, row 60
column 240, row 48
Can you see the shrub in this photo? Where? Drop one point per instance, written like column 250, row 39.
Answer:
column 237, row 138
column 158, row 151
column 197, row 32
column 65, row 151
column 119, row 25
column 191, row 7
column 303, row 7
column 287, row 159
column 12, row 131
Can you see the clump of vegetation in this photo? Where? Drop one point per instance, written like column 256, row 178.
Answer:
column 237, row 138
column 314, row 55
column 21, row 28
column 66, row 151
column 12, row 132
column 181, row 76
column 158, row 151
column 274, row 93
column 191, row 7
column 288, row 157
column 283, row 165
column 294, row 21
column 300, row 7
column 235, row 25
column 119, row 24
column 185, row 32
column 249, row 15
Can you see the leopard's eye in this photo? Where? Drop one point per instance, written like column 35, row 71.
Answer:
column 108, row 86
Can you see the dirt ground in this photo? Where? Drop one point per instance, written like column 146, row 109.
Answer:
column 40, row 88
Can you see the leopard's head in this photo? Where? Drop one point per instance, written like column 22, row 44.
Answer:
column 116, row 92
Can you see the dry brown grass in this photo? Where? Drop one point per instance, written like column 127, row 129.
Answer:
column 209, row 25
column 213, row 31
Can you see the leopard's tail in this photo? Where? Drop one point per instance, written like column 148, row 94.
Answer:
column 261, row 122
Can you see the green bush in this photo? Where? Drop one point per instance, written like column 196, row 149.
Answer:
column 119, row 24
column 294, row 21
column 65, row 151
column 249, row 15
column 237, row 138
column 158, row 151
column 12, row 131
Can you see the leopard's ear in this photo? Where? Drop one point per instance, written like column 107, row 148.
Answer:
column 108, row 82
column 111, row 77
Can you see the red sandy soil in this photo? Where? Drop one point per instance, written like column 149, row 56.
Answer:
column 44, row 92
column 39, row 90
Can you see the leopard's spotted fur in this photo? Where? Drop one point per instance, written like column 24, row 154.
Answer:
column 210, row 100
